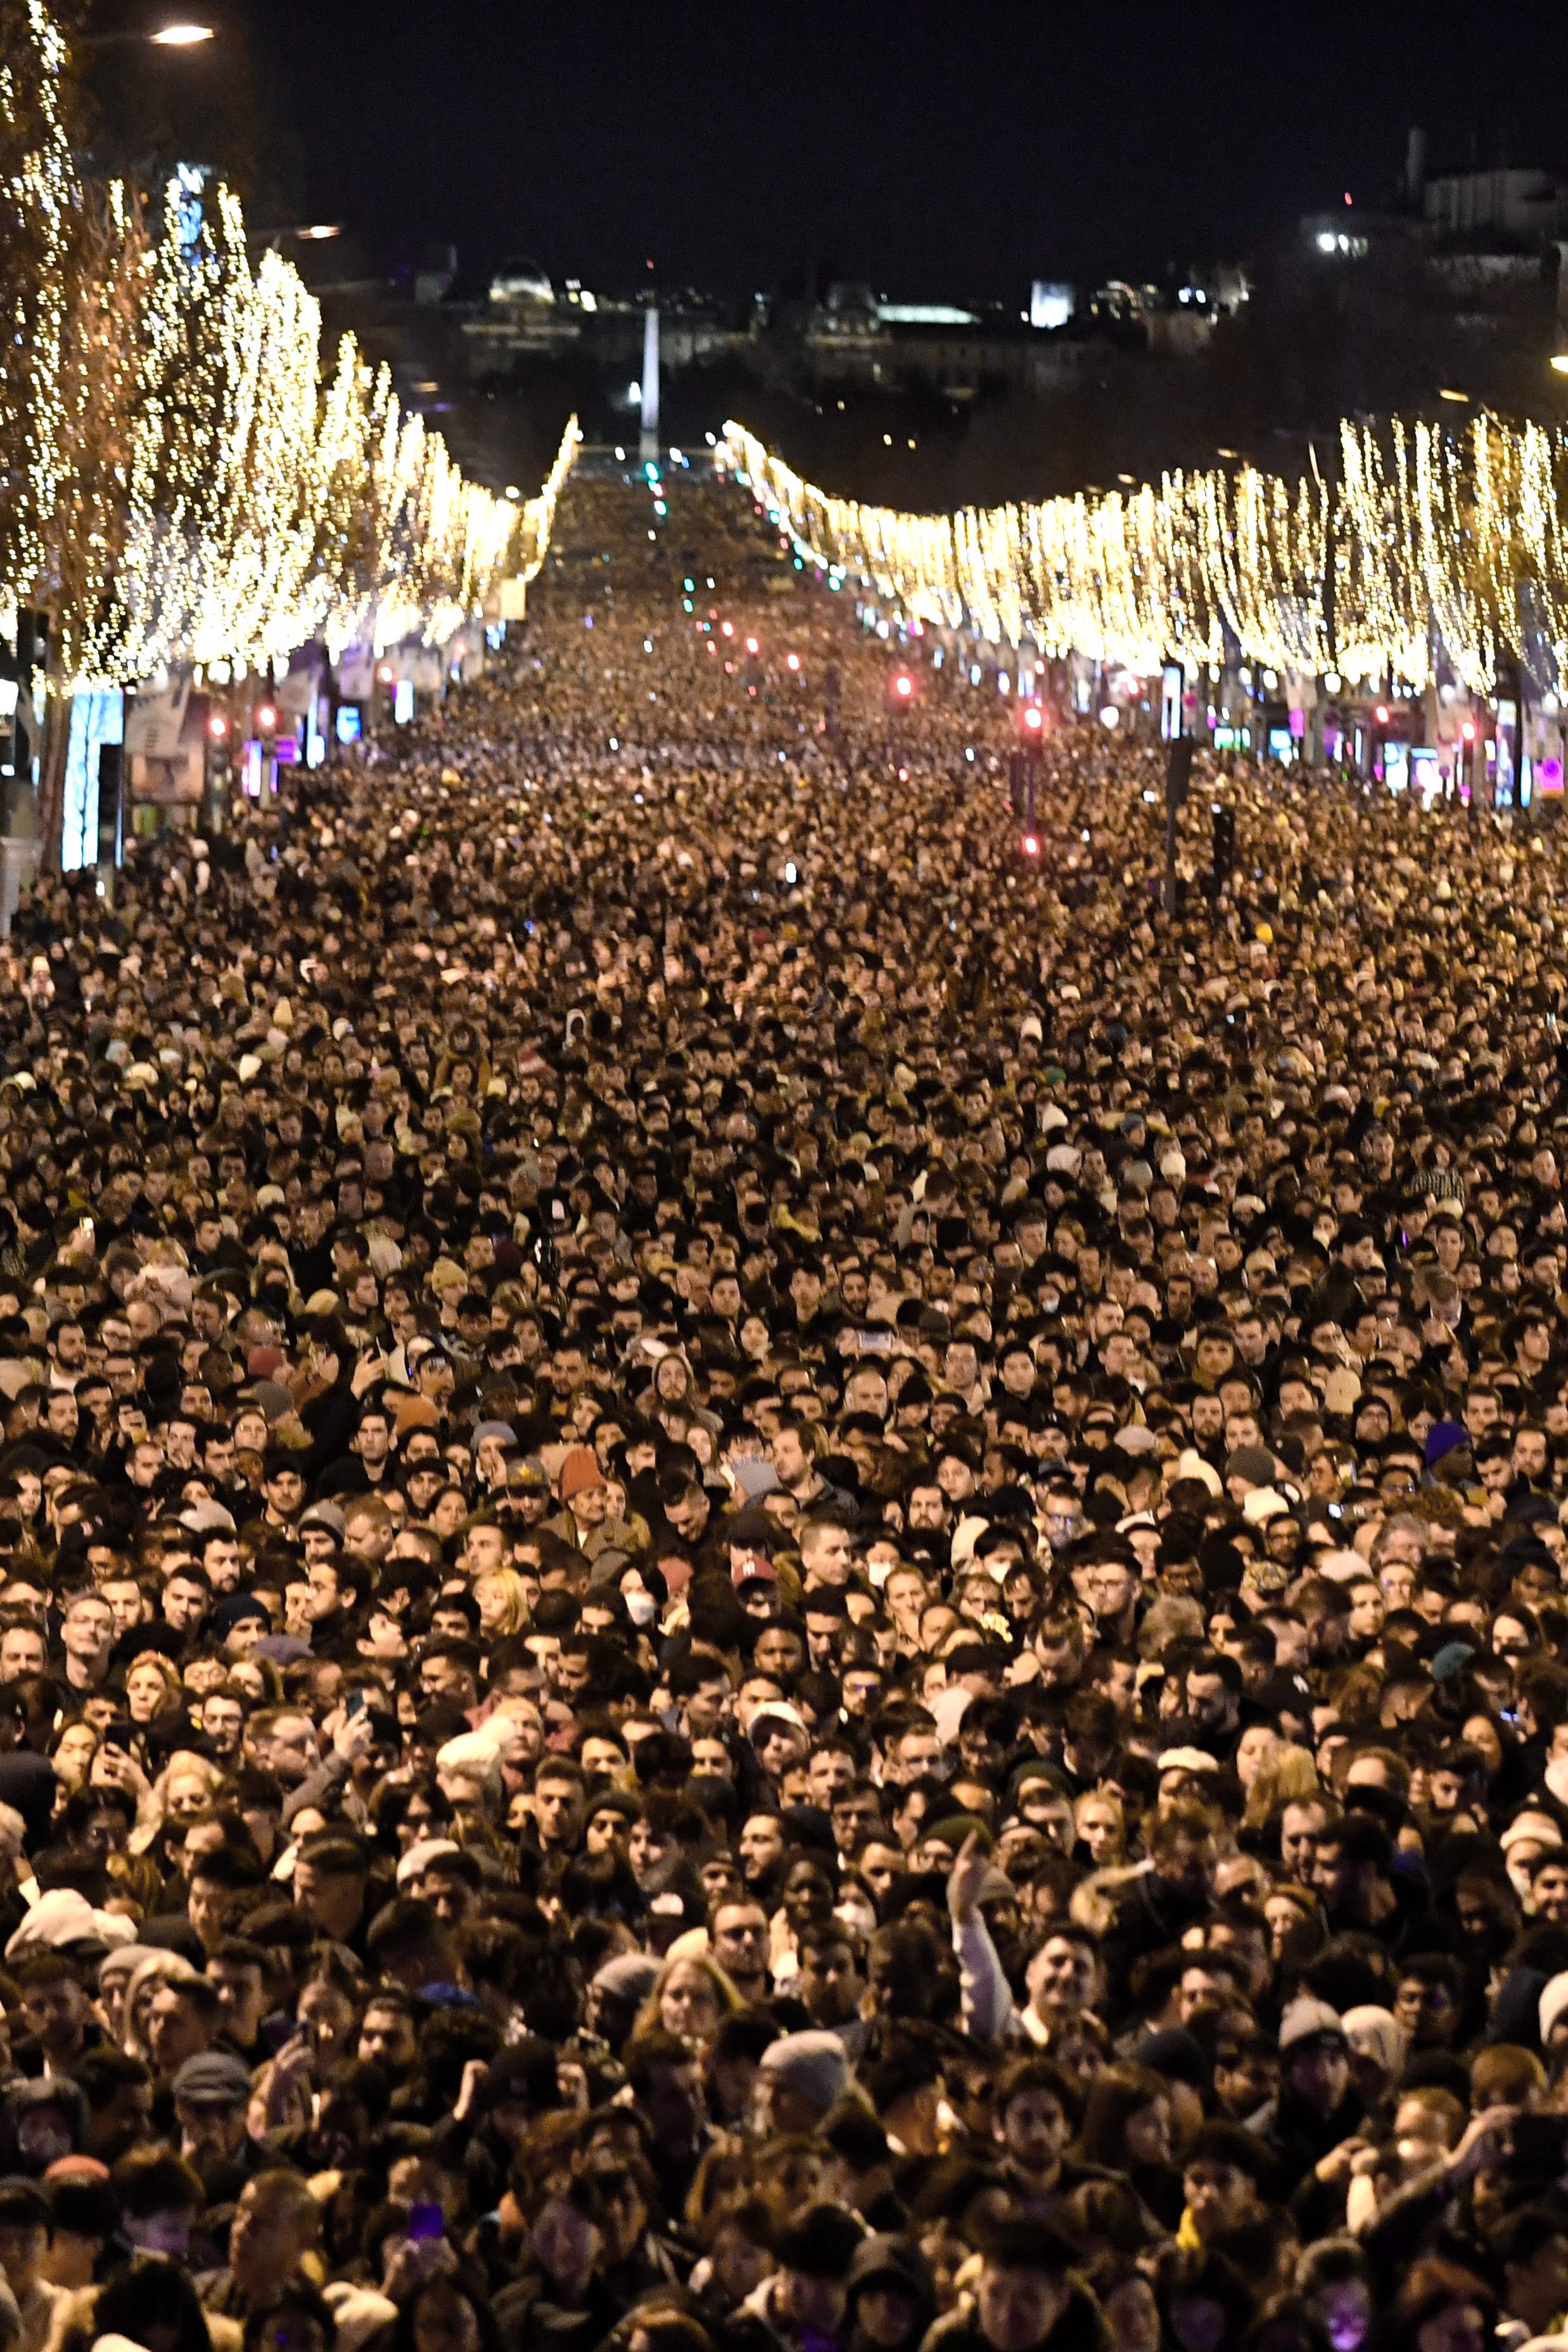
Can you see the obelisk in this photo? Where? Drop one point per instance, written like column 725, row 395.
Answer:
column 650, row 443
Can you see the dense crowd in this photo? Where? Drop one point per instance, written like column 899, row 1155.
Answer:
column 770, row 1581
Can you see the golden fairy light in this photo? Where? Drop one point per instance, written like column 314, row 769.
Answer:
column 186, row 481
column 1426, row 548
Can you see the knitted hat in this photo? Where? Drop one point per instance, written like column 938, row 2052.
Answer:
column 813, row 2063
column 629, row 1975
column 1305, row 2021
column 578, row 1471
column 1376, row 2033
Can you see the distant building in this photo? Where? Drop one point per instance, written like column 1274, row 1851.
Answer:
column 925, row 314
column 1491, row 245
column 1525, row 206
column 521, row 281
column 1050, row 304
column 853, row 340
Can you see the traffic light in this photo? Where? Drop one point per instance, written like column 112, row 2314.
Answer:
column 1029, row 720
column 900, row 690
column 1030, row 845
column 1224, row 844
column 1178, row 776
column 111, row 804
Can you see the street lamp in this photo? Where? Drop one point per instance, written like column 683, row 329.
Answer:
column 1560, row 362
column 168, row 36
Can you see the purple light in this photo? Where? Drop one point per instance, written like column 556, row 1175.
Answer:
column 1551, row 775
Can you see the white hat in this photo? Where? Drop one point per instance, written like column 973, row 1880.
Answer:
column 1262, row 1503
column 1533, row 1828
column 418, row 1858
column 1374, row 2032
column 63, row 1917
column 1191, row 1465
column 1341, row 1567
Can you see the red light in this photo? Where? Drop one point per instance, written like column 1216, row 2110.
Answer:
column 266, row 718
column 217, row 726
column 1469, row 731
column 727, row 628
column 1033, row 719
column 1380, row 714
column 904, row 685
column 903, row 775
column 791, row 661
column 751, row 646
column 385, row 673
column 1031, row 845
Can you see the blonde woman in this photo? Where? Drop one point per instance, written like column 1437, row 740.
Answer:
column 146, row 1980
column 186, row 1786
column 502, row 1602
column 691, row 1996
column 1286, row 1776
column 1102, row 1828
column 153, row 1687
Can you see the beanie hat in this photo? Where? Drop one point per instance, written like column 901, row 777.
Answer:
column 1253, row 1462
column 813, row 2063
column 1308, row 2020
column 63, row 1917
column 1376, row 2033
column 234, row 1610
column 579, row 1471
column 1445, row 1437
column 1177, row 2054
column 629, row 1977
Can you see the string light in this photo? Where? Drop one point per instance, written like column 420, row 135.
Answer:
column 1430, row 548
column 186, row 482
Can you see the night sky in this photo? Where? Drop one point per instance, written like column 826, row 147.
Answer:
column 937, row 151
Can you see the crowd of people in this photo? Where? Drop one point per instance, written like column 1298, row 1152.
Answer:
column 770, row 1580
